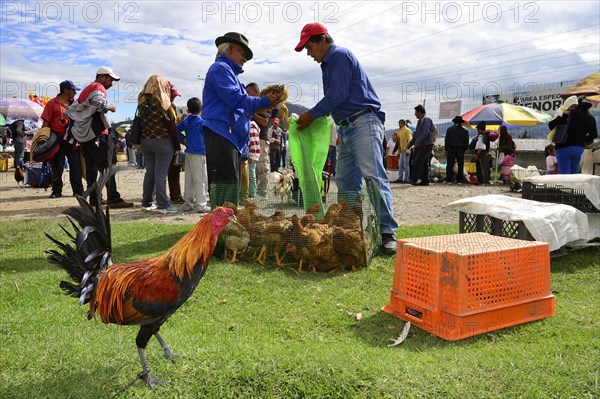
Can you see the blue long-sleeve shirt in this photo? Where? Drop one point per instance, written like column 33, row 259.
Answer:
column 194, row 137
column 226, row 106
column 346, row 86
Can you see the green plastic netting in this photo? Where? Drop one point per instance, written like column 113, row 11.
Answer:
column 309, row 149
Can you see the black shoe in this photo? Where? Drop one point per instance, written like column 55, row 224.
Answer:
column 55, row 195
column 397, row 181
column 422, row 184
column 120, row 203
column 413, row 183
column 388, row 244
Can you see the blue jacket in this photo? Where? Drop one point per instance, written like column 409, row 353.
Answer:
column 226, row 106
column 194, row 136
column 424, row 133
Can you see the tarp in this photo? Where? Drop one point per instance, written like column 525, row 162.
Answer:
column 556, row 224
column 309, row 149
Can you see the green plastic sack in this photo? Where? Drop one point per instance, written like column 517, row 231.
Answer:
column 309, row 149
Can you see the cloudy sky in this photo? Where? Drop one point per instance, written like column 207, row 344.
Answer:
column 411, row 50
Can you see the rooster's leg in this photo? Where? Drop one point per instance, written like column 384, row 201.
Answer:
column 144, row 335
column 234, row 258
column 145, row 375
column 168, row 352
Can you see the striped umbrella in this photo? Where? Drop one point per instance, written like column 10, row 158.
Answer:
column 496, row 114
column 15, row 109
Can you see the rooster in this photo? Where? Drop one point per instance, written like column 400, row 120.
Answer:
column 19, row 176
column 144, row 292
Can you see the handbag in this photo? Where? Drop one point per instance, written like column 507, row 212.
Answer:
column 559, row 134
column 135, row 131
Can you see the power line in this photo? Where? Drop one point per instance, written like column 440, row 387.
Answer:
column 494, row 50
column 511, row 63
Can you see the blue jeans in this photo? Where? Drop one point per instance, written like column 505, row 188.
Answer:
column 360, row 154
column 568, row 159
column 19, row 153
column 158, row 154
column 403, row 167
column 252, row 179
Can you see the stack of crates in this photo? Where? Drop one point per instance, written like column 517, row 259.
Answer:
column 471, row 223
column 559, row 195
column 462, row 285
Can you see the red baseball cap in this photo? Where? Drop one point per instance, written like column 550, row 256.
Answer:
column 309, row 30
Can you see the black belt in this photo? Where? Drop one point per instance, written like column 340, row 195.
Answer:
column 353, row 117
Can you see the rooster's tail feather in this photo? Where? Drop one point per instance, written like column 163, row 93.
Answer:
column 86, row 253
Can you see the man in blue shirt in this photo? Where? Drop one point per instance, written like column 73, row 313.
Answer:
column 423, row 142
column 227, row 112
column 356, row 109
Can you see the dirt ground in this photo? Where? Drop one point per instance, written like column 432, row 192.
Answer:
column 413, row 205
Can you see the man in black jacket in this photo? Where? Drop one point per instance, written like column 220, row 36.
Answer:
column 455, row 145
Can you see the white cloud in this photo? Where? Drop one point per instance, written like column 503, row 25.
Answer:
column 411, row 50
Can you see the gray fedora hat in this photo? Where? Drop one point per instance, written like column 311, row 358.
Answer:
column 235, row 38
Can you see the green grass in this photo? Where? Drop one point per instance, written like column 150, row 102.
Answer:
column 255, row 332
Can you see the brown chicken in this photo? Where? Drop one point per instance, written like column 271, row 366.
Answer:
column 298, row 238
column 247, row 216
column 274, row 235
column 319, row 250
column 312, row 244
column 350, row 247
column 346, row 217
column 143, row 292
column 234, row 237
column 348, row 236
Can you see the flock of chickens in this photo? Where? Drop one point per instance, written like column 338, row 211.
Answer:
column 338, row 241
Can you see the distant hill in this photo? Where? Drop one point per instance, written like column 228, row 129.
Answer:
column 296, row 109
column 533, row 132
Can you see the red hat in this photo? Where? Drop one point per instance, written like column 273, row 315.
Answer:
column 276, row 120
column 309, row 30
column 174, row 91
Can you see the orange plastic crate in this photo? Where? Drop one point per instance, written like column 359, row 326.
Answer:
column 458, row 286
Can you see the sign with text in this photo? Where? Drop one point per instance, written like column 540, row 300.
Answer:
column 449, row 109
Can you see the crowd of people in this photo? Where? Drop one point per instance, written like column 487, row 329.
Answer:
column 233, row 137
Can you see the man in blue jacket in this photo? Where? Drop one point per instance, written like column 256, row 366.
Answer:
column 227, row 111
column 356, row 109
column 423, row 142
